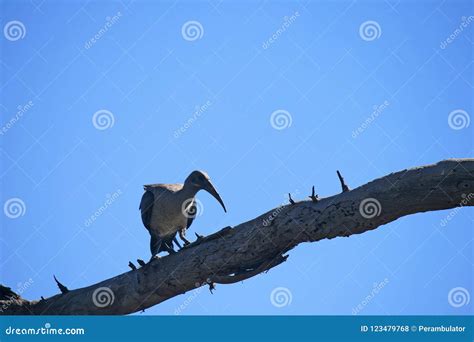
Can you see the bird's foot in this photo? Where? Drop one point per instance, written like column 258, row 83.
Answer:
column 132, row 266
column 290, row 199
column 201, row 238
column 154, row 257
column 141, row 262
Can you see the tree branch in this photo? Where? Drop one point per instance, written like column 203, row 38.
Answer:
column 236, row 254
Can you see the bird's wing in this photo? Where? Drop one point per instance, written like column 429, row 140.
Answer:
column 165, row 187
column 146, row 208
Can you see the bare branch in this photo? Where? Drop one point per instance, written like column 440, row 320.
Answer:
column 236, row 254
column 344, row 186
column 61, row 287
column 314, row 197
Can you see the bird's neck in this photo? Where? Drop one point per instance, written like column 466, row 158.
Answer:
column 188, row 191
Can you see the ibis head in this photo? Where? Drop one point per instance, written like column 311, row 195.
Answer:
column 199, row 180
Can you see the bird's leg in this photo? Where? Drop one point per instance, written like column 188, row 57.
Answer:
column 182, row 236
column 169, row 246
column 199, row 239
column 155, row 245
column 290, row 199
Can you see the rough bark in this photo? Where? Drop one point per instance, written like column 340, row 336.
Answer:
column 241, row 252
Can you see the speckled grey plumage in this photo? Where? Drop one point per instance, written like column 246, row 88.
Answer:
column 166, row 209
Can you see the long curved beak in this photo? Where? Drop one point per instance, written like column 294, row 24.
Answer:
column 210, row 189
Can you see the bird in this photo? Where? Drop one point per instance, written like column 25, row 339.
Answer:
column 168, row 209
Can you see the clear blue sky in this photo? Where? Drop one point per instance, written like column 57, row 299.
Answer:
column 320, row 67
